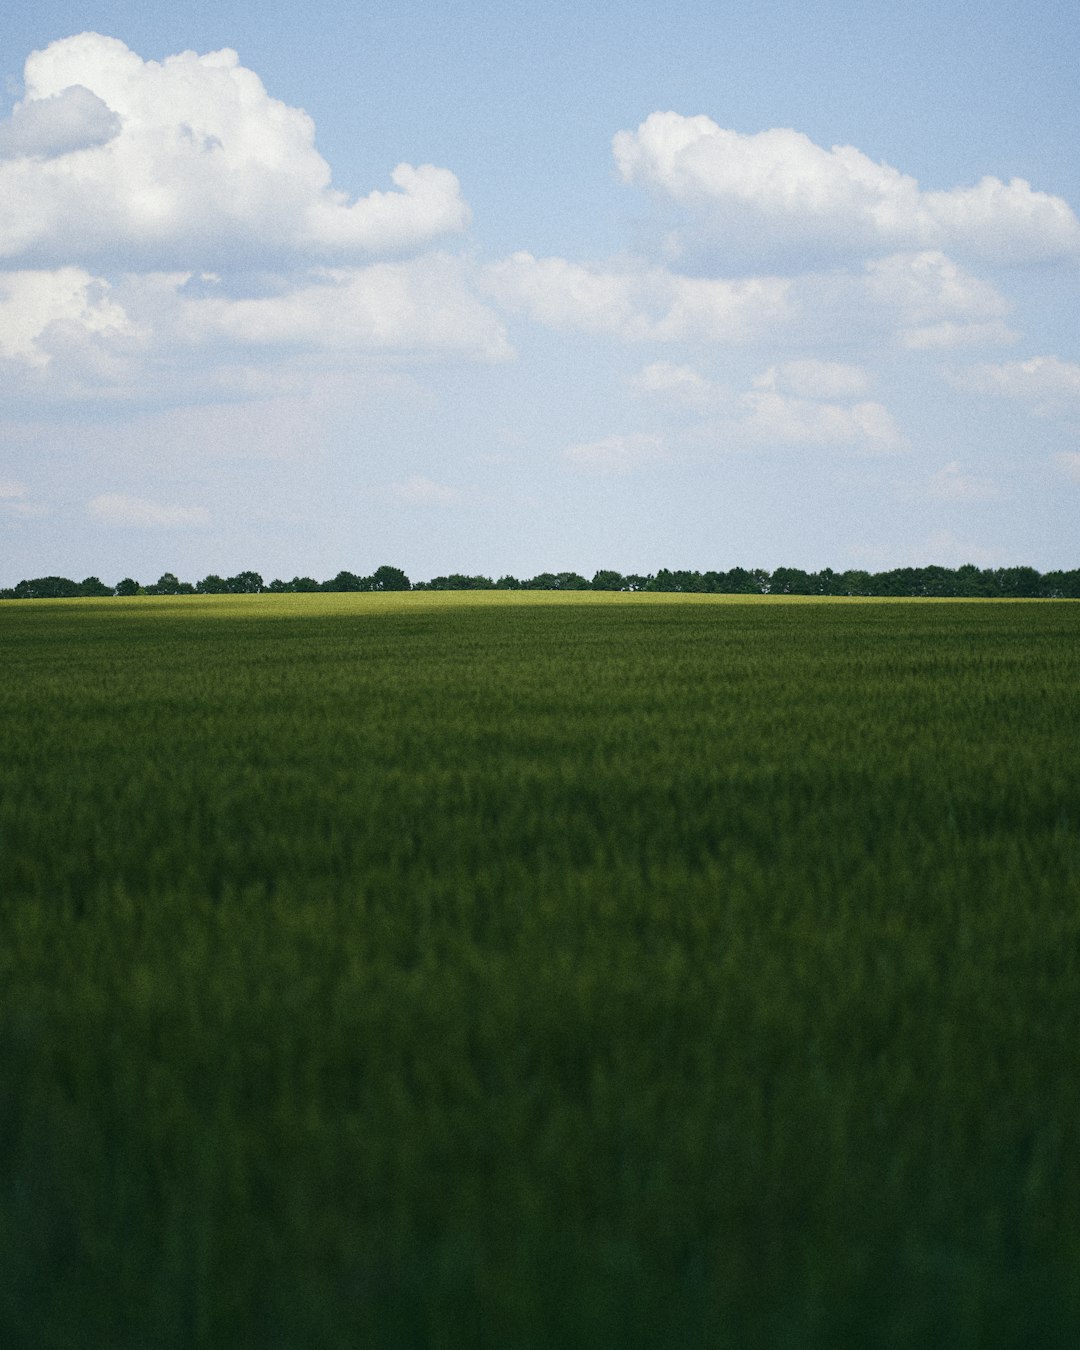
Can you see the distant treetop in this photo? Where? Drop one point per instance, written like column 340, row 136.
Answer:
column 968, row 581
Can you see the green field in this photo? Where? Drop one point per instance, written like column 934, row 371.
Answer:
column 528, row 971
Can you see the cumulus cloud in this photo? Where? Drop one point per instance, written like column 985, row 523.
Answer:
column 164, row 222
column 924, row 288
column 152, row 336
column 138, row 513
column 915, row 300
column 74, row 119
column 35, row 304
column 679, row 386
column 807, row 402
column 423, row 304
column 640, row 303
column 1049, row 387
column 187, row 161
column 772, row 418
column 777, row 188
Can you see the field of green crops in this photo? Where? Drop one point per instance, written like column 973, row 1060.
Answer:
column 527, row 971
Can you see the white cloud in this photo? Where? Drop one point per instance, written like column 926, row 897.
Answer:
column 795, row 403
column 64, row 302
column 778, row 187
column 1069, row 464
column 200, row 166
column 1048, row 386
column 137, row 512
column 680, row 386
column 616, row 454
column 951, row 484
column 417, row 490
column 917, row 299
column 926, row 286
column 168, row 227
column 10, row 491
column 815, row 379
column 777, row 419
column 155, row 337
column 636, row 303
column 424, row 305
column 74, row 119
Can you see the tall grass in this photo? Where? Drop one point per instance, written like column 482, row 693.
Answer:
column 529, row 970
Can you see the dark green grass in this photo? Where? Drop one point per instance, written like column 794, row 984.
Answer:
column 526, row 972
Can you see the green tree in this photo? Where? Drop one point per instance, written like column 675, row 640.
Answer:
column 388, row 578
column 791, row 581
column 854, row 582
column 47, row 588
column 128, row 586
column 345, row 581
column 245, row 583
column 94, row 586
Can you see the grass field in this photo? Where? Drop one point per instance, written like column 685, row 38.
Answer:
column 535, row 971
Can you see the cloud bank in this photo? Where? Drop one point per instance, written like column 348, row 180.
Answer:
column 1046, row 385
column 778, row 187
column 113, row 160
column 169, row 230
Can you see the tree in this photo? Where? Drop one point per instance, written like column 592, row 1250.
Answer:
column 245, row 583
column 607, row 581
column 212, row 585
column 167, row 584
column 854, row 582
column 129, row 586
column 388, row 578
column 791, row 581
column 1018, row 582
column 740, row 582
column 345, row 581
column 47, row 588
column 457, row 581
column 94, row 586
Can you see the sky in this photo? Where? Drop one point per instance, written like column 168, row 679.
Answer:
column 469, row 287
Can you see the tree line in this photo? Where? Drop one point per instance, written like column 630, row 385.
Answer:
column 969, row 581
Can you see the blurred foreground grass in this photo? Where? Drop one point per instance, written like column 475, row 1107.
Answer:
column 539, row 971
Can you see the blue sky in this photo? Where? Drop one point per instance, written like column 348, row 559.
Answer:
column 484, row 288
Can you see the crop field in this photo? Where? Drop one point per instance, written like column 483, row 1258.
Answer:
column 527, row 971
